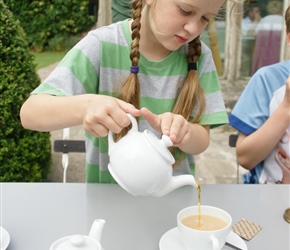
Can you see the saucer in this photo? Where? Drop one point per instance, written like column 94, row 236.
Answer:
column 4, row 238
column 171, row 241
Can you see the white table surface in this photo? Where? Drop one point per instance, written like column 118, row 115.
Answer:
column 36, row 214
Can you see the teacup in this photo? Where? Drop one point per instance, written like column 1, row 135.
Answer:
column 209, row 235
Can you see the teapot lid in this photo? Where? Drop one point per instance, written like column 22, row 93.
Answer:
column 76, row 242
column 160, row 145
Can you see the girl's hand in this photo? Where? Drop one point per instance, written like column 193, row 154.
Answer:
column 173, row 125
column 106, row 113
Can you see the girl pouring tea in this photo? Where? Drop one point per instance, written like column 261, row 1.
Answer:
column 152, row 66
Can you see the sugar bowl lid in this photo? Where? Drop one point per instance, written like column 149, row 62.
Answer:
column 76, row 242
column 287, row 215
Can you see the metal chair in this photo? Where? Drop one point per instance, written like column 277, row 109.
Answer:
column 66, row 146
column 232, row 143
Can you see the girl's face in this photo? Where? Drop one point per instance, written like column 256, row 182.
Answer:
column 176, row 22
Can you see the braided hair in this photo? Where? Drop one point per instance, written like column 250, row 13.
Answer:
column 191, row 93
column 130, row 90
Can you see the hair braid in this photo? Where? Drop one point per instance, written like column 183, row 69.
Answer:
column 136, row 26
column 191, row 93
column 130, row 90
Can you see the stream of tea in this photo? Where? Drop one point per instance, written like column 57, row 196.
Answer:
column 198, row 202
column 201, row 221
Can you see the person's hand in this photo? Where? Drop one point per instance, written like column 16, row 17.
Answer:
column 287, row 92
column 175, row 126
column 282, row 157
column 257, row 17
column 106, row 113
column 285, row 164
column 286, row 101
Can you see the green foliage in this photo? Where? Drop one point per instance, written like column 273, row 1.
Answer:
column 62, row 43
column 47, row 58
column 25, row 155
column 43, row 20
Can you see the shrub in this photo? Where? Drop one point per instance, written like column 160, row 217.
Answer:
column 25, row 155
column 45, row 20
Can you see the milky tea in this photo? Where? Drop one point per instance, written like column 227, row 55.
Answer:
column 206, row 222
column 203, row 222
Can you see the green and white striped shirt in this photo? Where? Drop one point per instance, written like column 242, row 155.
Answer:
column 100, row 62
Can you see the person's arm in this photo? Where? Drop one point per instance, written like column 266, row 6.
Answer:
column 190, row 138
column 197, row 140
column 255, row 147
column 97, row 113
column 252, row 28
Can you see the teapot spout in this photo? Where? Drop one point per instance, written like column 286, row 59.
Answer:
column 176, row 182
column 97, row 229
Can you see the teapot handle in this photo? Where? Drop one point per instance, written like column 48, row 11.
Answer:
column 134, row 128
column 134, row 122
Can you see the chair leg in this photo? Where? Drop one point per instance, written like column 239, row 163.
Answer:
column 64, row 165
column 65, row 155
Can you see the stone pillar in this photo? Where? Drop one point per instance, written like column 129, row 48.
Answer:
column 105, row 14
column 233, row 41
column 215, row 46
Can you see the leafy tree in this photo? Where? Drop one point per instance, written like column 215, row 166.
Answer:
column 44, row 20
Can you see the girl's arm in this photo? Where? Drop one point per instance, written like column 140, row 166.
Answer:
column 97, row 113
column 197, row 140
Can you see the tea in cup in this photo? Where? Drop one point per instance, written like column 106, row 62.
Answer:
column 206, row 230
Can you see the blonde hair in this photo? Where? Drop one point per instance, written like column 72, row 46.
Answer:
column 191, row 93
column 287, row 18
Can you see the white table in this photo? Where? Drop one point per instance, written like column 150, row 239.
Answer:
column 36, row 214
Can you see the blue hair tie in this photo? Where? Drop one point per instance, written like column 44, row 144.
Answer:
column 134, row 69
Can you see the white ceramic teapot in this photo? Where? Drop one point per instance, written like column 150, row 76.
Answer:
column 142, row 164
column 78, row 242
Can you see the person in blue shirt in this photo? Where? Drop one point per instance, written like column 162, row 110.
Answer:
column 262, row 117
